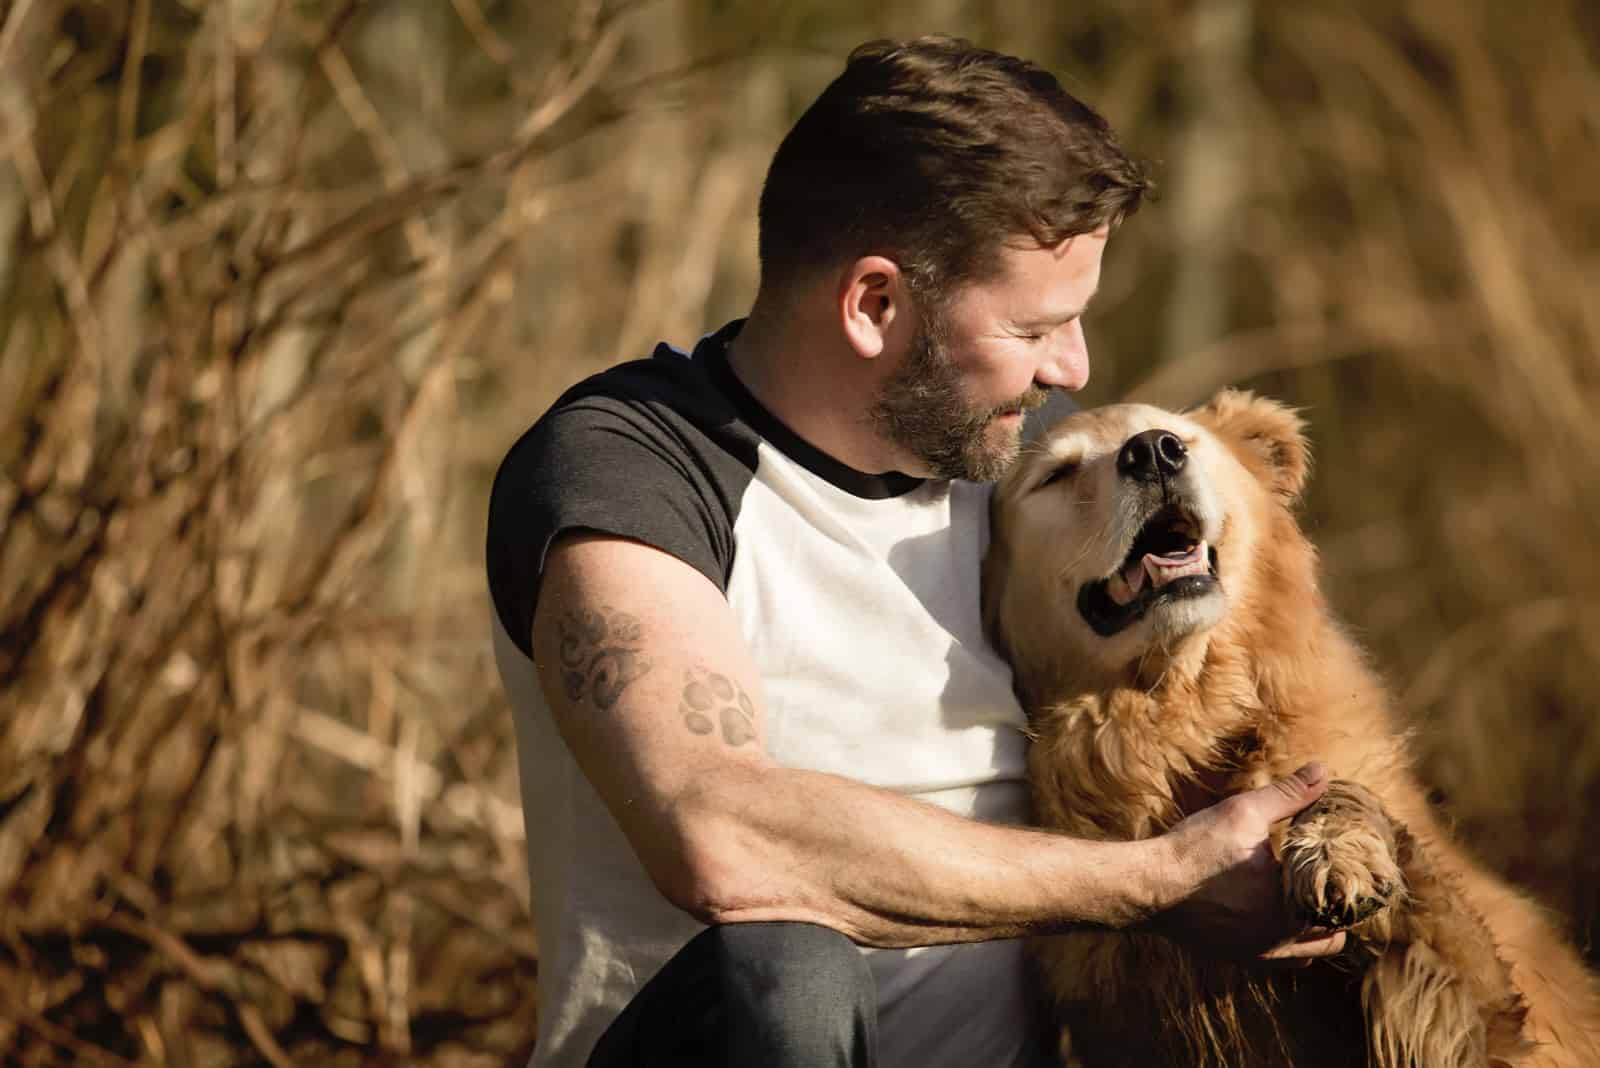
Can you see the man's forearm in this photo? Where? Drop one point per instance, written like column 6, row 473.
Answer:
column 887, row 870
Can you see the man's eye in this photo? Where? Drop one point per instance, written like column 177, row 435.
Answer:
column 1066, row 470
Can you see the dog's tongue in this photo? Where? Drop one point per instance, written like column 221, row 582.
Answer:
column 1125, row 585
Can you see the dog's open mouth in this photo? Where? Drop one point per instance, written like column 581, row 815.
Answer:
column 1168, row 560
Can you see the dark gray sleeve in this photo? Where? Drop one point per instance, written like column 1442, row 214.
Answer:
column 614, row 467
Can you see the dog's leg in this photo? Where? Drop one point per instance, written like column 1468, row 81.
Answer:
column 1438, row 992
column 1541, row 1006
column 1348, row 865
column 1420, row 1014
column 1341, row 863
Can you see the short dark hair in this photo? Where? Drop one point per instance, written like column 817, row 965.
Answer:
column 936, row 153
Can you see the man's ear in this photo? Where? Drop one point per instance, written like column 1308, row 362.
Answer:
column 1268, row 436
column 872, row 297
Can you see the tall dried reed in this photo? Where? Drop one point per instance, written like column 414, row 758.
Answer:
column 280, row 282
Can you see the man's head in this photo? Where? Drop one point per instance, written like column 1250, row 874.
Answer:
column 966, row 175
column 937, row 153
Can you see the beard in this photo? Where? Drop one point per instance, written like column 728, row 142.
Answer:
column 923, row 409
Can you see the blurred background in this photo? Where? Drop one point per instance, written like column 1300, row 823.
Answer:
column 281, row 281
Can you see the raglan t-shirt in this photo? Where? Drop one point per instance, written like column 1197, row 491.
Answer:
column 858, row 597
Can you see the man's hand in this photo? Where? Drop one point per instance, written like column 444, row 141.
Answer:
column 1228, row 899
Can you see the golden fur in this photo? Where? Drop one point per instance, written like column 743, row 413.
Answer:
column 1235, row 683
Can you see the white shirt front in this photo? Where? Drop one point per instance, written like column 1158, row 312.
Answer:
column 862, row 616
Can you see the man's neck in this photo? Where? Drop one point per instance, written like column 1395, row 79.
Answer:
column 809, row 377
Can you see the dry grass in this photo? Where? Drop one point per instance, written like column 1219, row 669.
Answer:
column 279, row 282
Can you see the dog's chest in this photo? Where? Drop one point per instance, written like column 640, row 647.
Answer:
column 1137, row 773
column 1236, row 765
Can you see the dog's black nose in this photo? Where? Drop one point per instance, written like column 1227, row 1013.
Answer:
column 1151, row 456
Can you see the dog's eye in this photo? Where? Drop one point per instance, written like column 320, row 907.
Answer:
column 1066, row 470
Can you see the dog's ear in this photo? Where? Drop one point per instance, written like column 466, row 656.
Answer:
column 1268, row 436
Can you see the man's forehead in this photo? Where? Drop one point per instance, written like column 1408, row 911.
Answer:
column 1077, row 256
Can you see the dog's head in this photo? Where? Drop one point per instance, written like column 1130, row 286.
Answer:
column 1128, row 533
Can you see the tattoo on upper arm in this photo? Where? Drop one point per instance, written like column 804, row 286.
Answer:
column 600, row 654
column 711, row 700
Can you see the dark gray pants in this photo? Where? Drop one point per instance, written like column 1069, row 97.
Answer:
column 769, row 994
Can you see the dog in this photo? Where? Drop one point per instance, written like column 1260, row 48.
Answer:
column 1160, row 608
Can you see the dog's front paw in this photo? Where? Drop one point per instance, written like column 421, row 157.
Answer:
column 1339, row 858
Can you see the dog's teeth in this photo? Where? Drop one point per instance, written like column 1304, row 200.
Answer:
column 1124, row 586
column 1133, row 577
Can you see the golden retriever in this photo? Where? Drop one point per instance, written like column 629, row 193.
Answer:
column 1160, row 606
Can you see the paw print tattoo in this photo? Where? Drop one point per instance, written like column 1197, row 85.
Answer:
column 600, row 654
column 711, row 700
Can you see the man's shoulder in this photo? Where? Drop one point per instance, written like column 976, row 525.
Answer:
column 668, row 403
column 667, row 381
column 649, row 450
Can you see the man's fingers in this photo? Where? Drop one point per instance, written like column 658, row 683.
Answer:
column 1292, row 793
column 1305, row 950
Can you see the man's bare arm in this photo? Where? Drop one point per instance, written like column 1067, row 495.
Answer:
column 653, row 689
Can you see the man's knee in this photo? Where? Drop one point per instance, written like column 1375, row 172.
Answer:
column 784, row 995
column 812, row 961
column 805, row 989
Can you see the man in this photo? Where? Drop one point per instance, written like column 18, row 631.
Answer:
column 737, row 615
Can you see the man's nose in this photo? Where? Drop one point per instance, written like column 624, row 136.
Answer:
column 1067, row 364
column 1152, row 456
